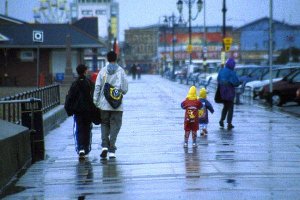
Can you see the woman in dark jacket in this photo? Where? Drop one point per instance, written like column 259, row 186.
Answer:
column 228, row 80
column 81, row 98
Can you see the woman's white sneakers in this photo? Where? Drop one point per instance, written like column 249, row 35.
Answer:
column 111, row 155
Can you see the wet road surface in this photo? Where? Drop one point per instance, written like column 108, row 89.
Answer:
column 258, row 159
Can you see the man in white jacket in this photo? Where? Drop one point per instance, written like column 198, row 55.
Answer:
column 111, row 119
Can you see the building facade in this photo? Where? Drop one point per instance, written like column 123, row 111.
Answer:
column 206, row 43
column 152, row 47
column 27, row 59
column 254, row 40
column 107, row 12
column 141, row 47
column 155, row 45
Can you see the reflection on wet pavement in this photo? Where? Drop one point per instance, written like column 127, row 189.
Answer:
column 192, row 163
column 84, row 171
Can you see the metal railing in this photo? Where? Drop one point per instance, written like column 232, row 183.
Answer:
column 10, row 109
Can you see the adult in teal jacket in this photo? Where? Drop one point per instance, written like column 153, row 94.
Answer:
column 227, row 80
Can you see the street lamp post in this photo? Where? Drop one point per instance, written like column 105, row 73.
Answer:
column 165, row 48
column 271, row 50
column 172, row 19
column 180, row 7
column 173, row 46
column 224, row 9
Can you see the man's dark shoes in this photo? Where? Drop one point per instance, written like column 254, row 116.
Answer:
column 230, row 126
column 103, row 154
column 221, row 124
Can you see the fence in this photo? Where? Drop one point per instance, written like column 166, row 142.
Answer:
column 10, row 109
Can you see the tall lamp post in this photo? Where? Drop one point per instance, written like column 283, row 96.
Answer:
column 224, row 9
column 171, row 21
column 189, row 3
column 271, row 50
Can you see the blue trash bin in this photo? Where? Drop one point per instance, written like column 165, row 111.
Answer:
column 59, row 77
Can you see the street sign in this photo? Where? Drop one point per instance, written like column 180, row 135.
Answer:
column 189, row 48
column 37, row 36
column 227, row 43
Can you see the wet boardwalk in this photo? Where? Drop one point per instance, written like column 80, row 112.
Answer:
column 259, row 159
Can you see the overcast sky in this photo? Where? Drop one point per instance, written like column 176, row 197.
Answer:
column 135, row 13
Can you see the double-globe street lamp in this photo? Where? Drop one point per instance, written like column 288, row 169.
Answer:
column 189, row 3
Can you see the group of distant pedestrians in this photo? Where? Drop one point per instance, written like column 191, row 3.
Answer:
column 197, row 107
column 135, row 70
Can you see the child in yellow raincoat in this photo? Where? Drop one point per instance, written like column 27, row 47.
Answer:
column 203, row 111
column 191, row 105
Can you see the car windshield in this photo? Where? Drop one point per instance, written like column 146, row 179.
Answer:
column 284, row 72
column 296, row 78
column 242, row 71
column 277, row 73
column 258, row 72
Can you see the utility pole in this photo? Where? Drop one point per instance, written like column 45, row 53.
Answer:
column 224, row 9
column 68, row 77
column 173, row 46
column 271, row 50
column 6, row 7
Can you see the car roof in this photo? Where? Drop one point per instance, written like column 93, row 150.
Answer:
column 288, row 67
column 247, row 66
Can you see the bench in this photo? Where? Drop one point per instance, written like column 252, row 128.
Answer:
column 204, row 82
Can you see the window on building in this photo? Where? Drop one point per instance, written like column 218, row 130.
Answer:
column 26, row 55
column 87, row 12
column 100, row 12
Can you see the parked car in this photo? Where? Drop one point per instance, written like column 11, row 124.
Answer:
column 241, row 71
column 254, row 73
column 278, row 72
column 284, row 90
column 181, row 73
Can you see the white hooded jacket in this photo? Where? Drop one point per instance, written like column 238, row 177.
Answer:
column 114, row 75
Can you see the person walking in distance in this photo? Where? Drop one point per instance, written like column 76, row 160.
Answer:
column 133, row 71
column 191, row 105
column 227, row 80
column 79, row 103
column 111, row 118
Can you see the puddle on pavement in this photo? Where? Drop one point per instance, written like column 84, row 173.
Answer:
column 231, row 181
